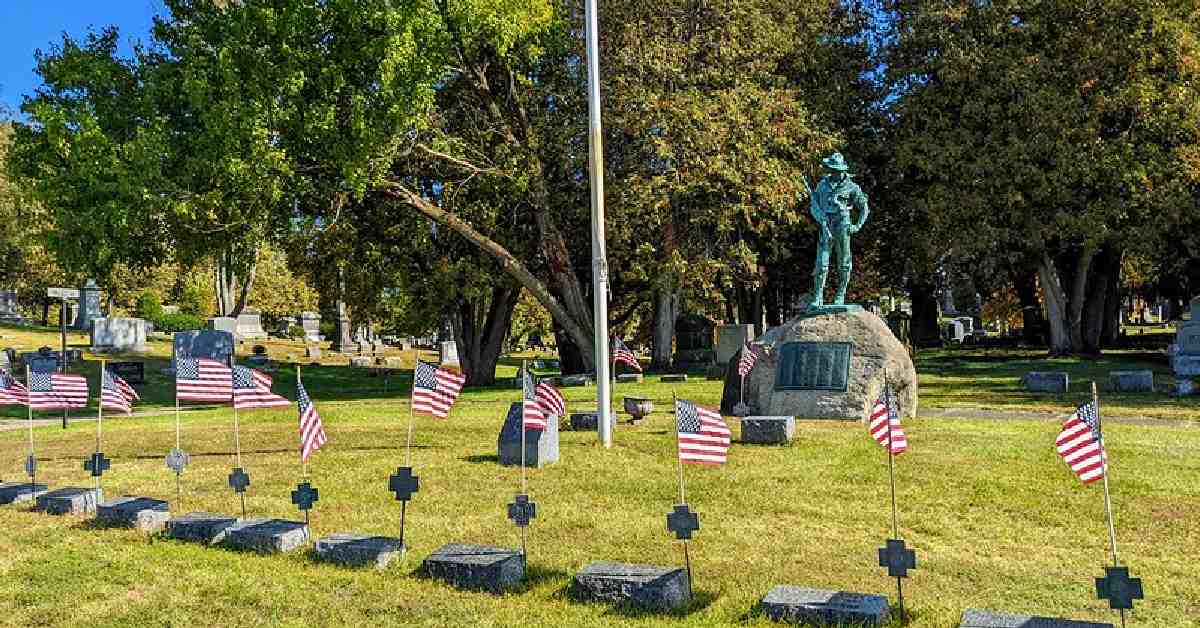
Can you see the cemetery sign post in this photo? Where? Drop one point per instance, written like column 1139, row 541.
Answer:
column 63, row 294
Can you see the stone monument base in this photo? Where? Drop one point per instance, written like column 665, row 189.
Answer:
column 642, row 586
column 475, row 567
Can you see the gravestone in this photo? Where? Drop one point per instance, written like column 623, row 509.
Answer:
column 249, row 325
column 353, row 550
column 1047, row 381
column 475, row 567
column 1132, row 381
column 18, row 492
column 284, row 326
column 974, row 618
column 968, row 325
column 213, row 344
column 448, row 354
column 42, row 361
column 629, row 378
column 89, row 305
column 577, row 380
column 69, row 501
column 312, row 352
column 693, row 343
column 1185, row 361
column 590, row 421
column 118, row 334
column 8, row 308
column 361, row 362
column 266, row 536
column 141, row 513
column 768, row 430
column 200, row 527
column 311, row 322
column 674, row 378
column 816, row 606
column 953, row 331
column 641, row 586
column 900, row 323
column 730, row 340
column 541, row 446
column 223, row 323
column 134, row 373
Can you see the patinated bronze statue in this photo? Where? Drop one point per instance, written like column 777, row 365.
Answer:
column 830, row 206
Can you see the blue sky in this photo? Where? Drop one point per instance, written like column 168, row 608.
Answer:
column 27, row 25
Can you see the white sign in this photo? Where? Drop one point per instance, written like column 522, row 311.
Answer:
column 62, row 293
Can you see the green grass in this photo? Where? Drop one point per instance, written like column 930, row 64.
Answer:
column 996, row 518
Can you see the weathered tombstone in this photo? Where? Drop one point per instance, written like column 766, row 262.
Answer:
column 674, row 378
column 953, row 331
column 693, row 342
column 974, row 618
column 223, row 323
column 768, row 430
column 475, row 567
column 311, row 322
column 249, row 325
column 69, row 501
column 118, row 334
column 141, row 513
column 1047, row 381
column 901, row 325
column 17, row 492
column 213, row 344
column 730, row 340
column 8, row 308
column 541, row 446
column 131, row 372
column 800, row 605
column 1132, row 381
column 448, row 354
column 353, row 550
column 629, row 378
column 312, row 352
column 590, row 421
column 266, row 536
column 641, row 586
column 200, row 527
column 1186, row 359
column 89, row 305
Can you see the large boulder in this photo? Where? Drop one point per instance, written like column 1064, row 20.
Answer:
column 836, row 371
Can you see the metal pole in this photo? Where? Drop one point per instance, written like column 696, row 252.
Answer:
column 99, row 419
column 178, row 440
column 32, row 458
column 62, row 356
column 1112, row 529
column 599, row 255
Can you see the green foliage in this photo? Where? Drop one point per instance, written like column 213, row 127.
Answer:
column 178, row 321
column 195, row 302
column 149, row 306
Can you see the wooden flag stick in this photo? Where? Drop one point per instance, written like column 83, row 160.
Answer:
column 178, row 447
column 99, row 417
column 687, row 558
column 411, row 394
column 32, row 470
column 1112, row 529
column 887, row 401
column 303, row 460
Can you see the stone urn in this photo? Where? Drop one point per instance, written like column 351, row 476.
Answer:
column 638, row 408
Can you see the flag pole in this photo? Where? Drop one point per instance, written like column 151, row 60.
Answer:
column 408, row 443
column 525, row 377
column 687, row 559
column 303, row 460
column 887, row 399
column 237, row 445
column 1112, row 529
column 31, row 464
column 178, row 445
column 599, row 254
column 99, row 418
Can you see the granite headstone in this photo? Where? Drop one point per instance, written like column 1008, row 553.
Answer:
column 642, row 586
column 475, row 567
column 541, row 446
column 816, row 606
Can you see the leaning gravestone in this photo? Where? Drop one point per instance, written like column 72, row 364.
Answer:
column 17, row 492
column 141, row 513
column 816, row 606
column 973, row 618
column 200, row 527
column 353, row 550
column 118, row 334
column 212, row 344
column 541, row 446
column 266, row 536
column 642, row 586
column 730, row 340
column 69, row 501
column 475, row 567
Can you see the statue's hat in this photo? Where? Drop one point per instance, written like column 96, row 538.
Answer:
column 836, row 162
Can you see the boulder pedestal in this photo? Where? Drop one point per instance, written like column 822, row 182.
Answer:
column 642, row 586
column 475, row 567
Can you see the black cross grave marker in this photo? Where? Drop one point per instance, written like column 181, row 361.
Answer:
column 30, row 465
column 1118, row 588
column 97, row 464
column 177, row 460
column 683, row 522
column 239, row 480
column 522, row 511
column 403, row 483
column 897, row 558
column 304, row 496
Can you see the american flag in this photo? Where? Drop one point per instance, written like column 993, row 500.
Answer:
column 622, row 354
column 884, row 423
column 435, row 389
column 533, row 414
column 115, row 393
column 312, row 431
column 48, row 391
column 1080, row 445
column 746, row 364
column 252, row 389
column 703, row 435
column 12, row 392
column 551, row 400
column 202, row 379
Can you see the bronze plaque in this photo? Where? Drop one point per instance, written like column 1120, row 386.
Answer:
column 813, row 366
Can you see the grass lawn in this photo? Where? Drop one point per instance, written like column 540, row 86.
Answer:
column 996, row 518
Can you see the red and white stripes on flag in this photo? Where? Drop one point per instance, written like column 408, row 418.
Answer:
column 115, row 393
column 703, row 435
column 435, row 389
column 884, row 423
column 552, row 401
column 51, row 391
column 252, row 389
column 1080, row 445
column 746, row 363
column 312, row 431
column 12, row 392
column 622, row 354
column 202, row 379
column 533, row 415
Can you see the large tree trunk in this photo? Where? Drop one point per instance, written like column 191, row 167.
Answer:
column 924, row 324
column 1078, row 298
column 1111, row 331
column 1056, row 306
column 1033, row 324
column 666, row 310
column 750, row 307
column 480, row 330
column 232, row 290
column 1101, row 324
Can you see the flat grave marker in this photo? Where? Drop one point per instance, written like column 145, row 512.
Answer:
column 475, row 567
column 975, row 618
column 18, row 492
column 266, row 536
column 141, row 513
column 355, row 550
column 69, row 501
column 817, row 606
column 200, row 527
column 642, row 586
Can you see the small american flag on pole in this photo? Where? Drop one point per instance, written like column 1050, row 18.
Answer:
column 746, row 363
column 12, row 392
column 252, row 389
column 202, row 379
column 312, row 431
column 884, row 423
column 533, row 415
column 622, row 354
column 435, row 389
column 48, row 391
column 551, row 400
column 1080, row 445
column 115, row 393
column 703, row 435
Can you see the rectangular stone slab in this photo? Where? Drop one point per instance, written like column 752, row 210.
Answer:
column 143, row 513
column 266, row 536
column 590, row 421
column 629, row 378
column 69, row 501
column 1132, row 381
column 817, row 606
column 16, row 492
column 643, row 586
column 475, row 567
column 975, row 618
column 1047, row 381
column 200, row 527
column 354, row 550
column 768, row 430
column 674, row 378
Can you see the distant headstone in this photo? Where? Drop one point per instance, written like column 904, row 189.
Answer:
column 1047, row 381
column 730, row 340
column 640, row 586
column 42, row 361
column 353, row 550
column 8, row 307
column 200, row 527
column 768, row 430
column 17, row 492
column 953, row 331
column 311, row 322
column 89, row 305
column 223, row 323
column 1185, row 360
column 141, row 513
column 801, row 605
column 134, row 373
column 69, row 501
column 266, row 536
column 590, row 421
column 249, row 326
column 475, row 567
column 576, row 380
column 361, row 361
column 675, row 378
column 312, row 352
column 900, row 322
column 629, row 378
column 693, row 342
column 541, row 446
column 118, row 334
column 974, row 618
column 1132, row 381
column 448, row 354
column 213, row 344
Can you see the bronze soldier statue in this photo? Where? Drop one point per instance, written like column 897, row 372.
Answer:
column 830, row 206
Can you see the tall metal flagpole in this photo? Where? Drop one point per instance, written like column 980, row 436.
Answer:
column 599, row 255
column 1112, row 530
